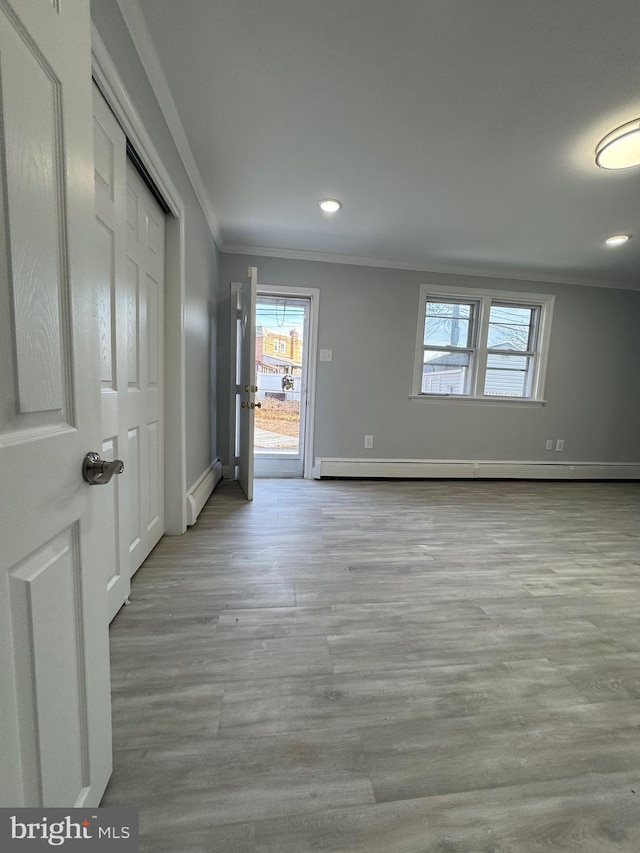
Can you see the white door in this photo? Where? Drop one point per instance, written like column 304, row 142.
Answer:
column 130, row 264
column 55, row 732
column 143, row 415
column 246, row 373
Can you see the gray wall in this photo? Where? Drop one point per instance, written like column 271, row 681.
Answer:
column 201, row 252
column 368, row 317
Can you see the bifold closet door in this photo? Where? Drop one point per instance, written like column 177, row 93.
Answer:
column 130, row 272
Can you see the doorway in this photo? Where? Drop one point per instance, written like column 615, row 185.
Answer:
column 281, row 383
column 281, row 355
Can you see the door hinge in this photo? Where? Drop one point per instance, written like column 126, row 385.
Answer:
column 238, row 313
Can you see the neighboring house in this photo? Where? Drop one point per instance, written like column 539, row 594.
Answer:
column 278, row 356
column 446, row 374
column 277, row 352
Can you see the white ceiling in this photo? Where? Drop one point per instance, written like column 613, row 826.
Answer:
column 459, row 134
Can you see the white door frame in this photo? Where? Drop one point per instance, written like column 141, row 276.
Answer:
column 287, row 463
column 313, row 295
column 110, row 84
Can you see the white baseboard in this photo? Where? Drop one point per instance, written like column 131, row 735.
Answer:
column 198, row 494
column 469, row 469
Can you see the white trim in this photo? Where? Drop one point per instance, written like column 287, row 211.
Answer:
column 495, row 273
column 143, row 43
column 313, row 295
column 524, row 402
column 199, row 493
column 110, row 84
column 108, row 79
column 277, row 467
column 471, row 469
column 175, row 370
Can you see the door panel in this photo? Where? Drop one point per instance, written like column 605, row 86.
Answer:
column 154, row 466
column 117, row 584
column 47, row 612
column 133, row 325
column 55, row 736
column 34, row 196
column 133, row 502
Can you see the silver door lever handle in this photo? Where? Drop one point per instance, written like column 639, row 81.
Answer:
column 98, row 472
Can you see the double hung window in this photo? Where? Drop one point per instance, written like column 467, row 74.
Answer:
column 488, row 345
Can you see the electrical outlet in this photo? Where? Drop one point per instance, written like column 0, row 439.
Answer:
column 560, row 444
column 368, row 441
column 549, row 444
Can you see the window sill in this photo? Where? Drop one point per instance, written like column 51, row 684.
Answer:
column 523, row 402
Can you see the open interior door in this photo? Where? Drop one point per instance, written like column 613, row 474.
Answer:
column 55, row 703
column 246, row 387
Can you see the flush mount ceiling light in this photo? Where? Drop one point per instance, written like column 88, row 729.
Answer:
column 620, row 149
column 617, row 240
column 330, row 205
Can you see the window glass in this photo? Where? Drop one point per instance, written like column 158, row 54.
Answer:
column 510, row 328
column 447, row 324
column 476, row 343
column 445, row 372
column 507, row 375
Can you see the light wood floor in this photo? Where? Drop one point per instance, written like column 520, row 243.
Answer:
column 386, row 667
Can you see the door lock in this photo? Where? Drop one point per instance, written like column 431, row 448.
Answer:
column 97, row 471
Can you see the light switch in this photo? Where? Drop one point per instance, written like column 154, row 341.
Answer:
column 326, row 355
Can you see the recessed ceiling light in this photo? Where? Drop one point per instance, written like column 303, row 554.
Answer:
column 330, row 205
column 620, row 149
column 617, row 239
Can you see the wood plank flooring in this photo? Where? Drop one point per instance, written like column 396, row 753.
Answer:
column 386, row 667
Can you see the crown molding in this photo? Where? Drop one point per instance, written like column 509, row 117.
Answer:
column 435, row 269
column 143, row 43
column 108, row 80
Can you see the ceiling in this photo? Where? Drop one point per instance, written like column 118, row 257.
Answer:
column 458, row 134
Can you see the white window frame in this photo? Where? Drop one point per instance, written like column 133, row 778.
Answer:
column 484, row 299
